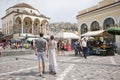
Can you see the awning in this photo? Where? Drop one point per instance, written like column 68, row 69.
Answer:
column 5, row 35
column 66, row 35
column 31, row 39
column 99, row 33
column 15, row 40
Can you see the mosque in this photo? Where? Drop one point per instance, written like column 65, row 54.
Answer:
column 22, row 18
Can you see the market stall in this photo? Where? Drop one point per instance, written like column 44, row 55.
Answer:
column 99, row 46
column 115, row 31
column 68, row 37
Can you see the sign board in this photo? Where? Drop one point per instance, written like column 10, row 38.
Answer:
column 15, row 36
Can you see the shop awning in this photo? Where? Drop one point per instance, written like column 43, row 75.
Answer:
column 31, row 39
column 99, row 33
column 66, row 35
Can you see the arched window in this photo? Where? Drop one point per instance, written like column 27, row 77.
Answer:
column 84, row 28
column 109, row 22
column 94, row 26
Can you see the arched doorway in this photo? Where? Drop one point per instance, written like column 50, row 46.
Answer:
column 109, row 22
column 30, row 30
column 27, row 24
column 84, row 28
column 17, row 26
column 36, row 26
column 45, row 26
column 94, row 26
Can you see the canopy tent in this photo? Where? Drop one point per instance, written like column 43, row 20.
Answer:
column 99, row 33
column 87, row 37
column 2, row 36
column 21, row 37
column 66, row 35
column 31, row 39
column 114, row 30
column 16, row 40
column 46, row 36
column 33, row 36
column 28, row 35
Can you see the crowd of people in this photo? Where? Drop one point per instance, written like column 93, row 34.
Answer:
column 85, row 47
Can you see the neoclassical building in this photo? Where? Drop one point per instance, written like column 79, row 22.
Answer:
column 23, row 18
column 100, row 17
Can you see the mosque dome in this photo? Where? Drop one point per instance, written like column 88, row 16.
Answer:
column 23, row 5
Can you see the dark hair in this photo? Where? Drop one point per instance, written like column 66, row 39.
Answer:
column 41, row 34
column 52, row 37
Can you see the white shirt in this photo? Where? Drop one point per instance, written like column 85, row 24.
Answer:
column 84, row 43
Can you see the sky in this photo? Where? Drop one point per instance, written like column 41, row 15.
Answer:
column 57, row 10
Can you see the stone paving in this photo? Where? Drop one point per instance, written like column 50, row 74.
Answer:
column 70, row 67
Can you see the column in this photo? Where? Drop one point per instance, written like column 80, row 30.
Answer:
column 32, row 28
column 41, row 29
column 45, row 29
column 22, row 24
column 8, row 29
column 22, row 27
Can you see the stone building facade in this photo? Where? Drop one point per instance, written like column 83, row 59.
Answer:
column 100, row 17
column 23, row 18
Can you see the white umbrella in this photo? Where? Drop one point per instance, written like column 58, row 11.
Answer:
column 95, row 33
column 30, row 39
column 88, row 38
column 66, row 35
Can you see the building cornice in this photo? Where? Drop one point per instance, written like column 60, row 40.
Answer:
column 41, row 16
column 9, row 14
column 98, row 9
column 18, row 13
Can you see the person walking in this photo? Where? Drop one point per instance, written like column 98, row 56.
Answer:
column 52, row 47
column 76, row 44
column 61, row 47
column 40, row 47
column 84, row 44
column 1, row 49
column 80, row 48
column 58, row 48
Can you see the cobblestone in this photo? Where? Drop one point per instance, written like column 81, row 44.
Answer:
column 70, row 67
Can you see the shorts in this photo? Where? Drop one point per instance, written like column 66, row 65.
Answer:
column 40, row 56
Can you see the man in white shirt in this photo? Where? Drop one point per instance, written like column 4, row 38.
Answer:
column 84, row 45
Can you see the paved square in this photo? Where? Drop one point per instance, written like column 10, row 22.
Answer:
column 70, row 67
